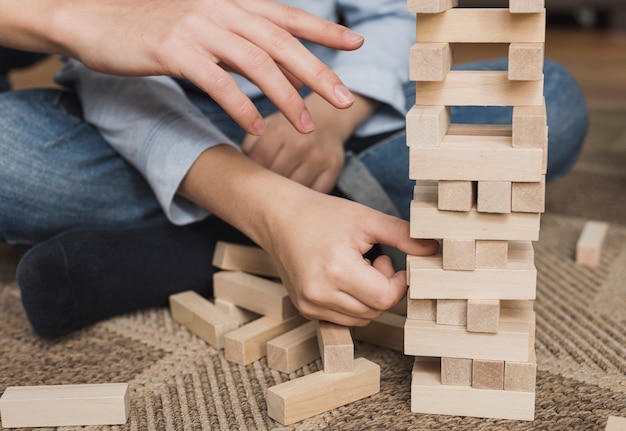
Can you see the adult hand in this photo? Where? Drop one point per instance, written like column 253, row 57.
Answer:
column 195, row 39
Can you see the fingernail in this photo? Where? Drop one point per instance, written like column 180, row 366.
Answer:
column 307, row 121
column 343, row 95
column 353, row 36
column 258, row 127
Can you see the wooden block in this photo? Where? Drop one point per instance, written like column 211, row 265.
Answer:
column 426, row 126
column 65, row 405
column 421, row 309
column 423, row 338
column 249, row 342
column 589, row 244
column 456, row 371
column 452, row 312
column 295, row 400
column 468, row 25
column 517, row 304
column 427, row 221
column 246, row 258
column 488, row 374
column 526, row 61
column 384, row 331
column 518, row 280
column 521, row 250
column 527, row 6
column 494, row 197
column 430, row 6
column 336, row 347
column 202, row 317
column 477, row 87
column 429, row 61
column 254, row 293
column 615, row 423
column 530, row 127
column 491, row 254
column 529, row 197
column 240, row 314
column 293, row 349
column 521, row 376
column 456, row 195
column 483, row 315
column 476, row 158
column 428, row 395
column 459, row 254
column 480, row 129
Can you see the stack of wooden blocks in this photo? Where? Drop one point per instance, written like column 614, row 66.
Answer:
column 480, row 189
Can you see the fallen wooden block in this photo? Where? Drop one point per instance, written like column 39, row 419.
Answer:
column 385, row 331
column 293, row 349
column 240, row 314
column 65, row 405
column 319, row 392
column 589, row 244
column 246, row 258
column 336, row 347
column 615, row 423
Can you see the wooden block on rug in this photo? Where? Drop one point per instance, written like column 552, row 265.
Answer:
column 307, row 396
column 526, row 61
column 385, row 331
column 202, row 317
column 492, row 254
column 65, row 405
column 488, row 374
column 459, row 254
column 494, row 197
column 428, row 395
column 248, row 343
column 253, row 293
column 426, row 126
column 430, row 6
column 483, row 315
column 293, row 349
column 456, row 371
column 589, row 244
column 429, row 61
column 452, row 312
column 240, row 314
column 615, row 423
column 336, row 347
column 246, row 258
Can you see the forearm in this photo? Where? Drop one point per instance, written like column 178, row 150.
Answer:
column 29, row 26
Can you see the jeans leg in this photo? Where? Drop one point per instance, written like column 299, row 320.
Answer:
column 57, row 173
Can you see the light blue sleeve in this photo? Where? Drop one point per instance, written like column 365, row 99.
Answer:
column 151, row 123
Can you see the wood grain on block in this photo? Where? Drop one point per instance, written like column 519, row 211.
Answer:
column 307, row 396
column 426, row 126
column 494, row 197
column 384, row 331
column 483, row 315
column 239, row 257
column 479, row 88
column 468, row 25
column 491, row 253
column 456, row 195
column 253, row 293
column 240, row 314
column 526, row 61
column 475, row 158
column 530, row 127
column 428, row 395
column 521, row 376
column 529, row 197
column 202, row 317
column 293, row 349
column 429, row 61
column 456, row 371
column 589, row 244
column 527, row 6
column 429, row 6
column 480, row 129
column 65, row 405
column 452, row 312
column 336, row 347
column 248, row 343
column 521, row 250
column 488, row 374
column 459, row 254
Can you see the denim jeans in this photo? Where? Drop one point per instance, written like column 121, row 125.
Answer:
column 57, row 173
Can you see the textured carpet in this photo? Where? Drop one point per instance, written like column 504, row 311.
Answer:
column 177, row 382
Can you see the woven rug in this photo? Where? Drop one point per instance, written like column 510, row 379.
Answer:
column 178, row 382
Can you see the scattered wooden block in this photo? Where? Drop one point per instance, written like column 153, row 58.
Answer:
column 589, row 244
column 491, row 254
column 494, row 197
column 423, row 338
column 459, row 254
column 429, row 6
column 293, row 349
column 336, row 347
column 426, row 126
column 65, row 405
column 428, row 395
column 240, row 314
column 488, row 374
column 456, row 195
column 468, row 25
column 456, row 371
column 295, row 400
column 385, row 331
column 615, row 423
column 529, row 197
column 477, row 87
column 201, row 317
column 452, row 312
column 527, row 6
column 530, row 127
column 475, row 158
column 427, row 221
column 246, row 258
column 249, row 342
column 521, row 376
column 421, row 309
column 429, row 61
column 526, row 61
column 483, row 315
column 253, row 293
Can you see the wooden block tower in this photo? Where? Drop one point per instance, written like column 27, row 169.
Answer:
column 480, row 190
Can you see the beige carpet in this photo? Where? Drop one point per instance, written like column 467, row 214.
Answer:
column 179, row 383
